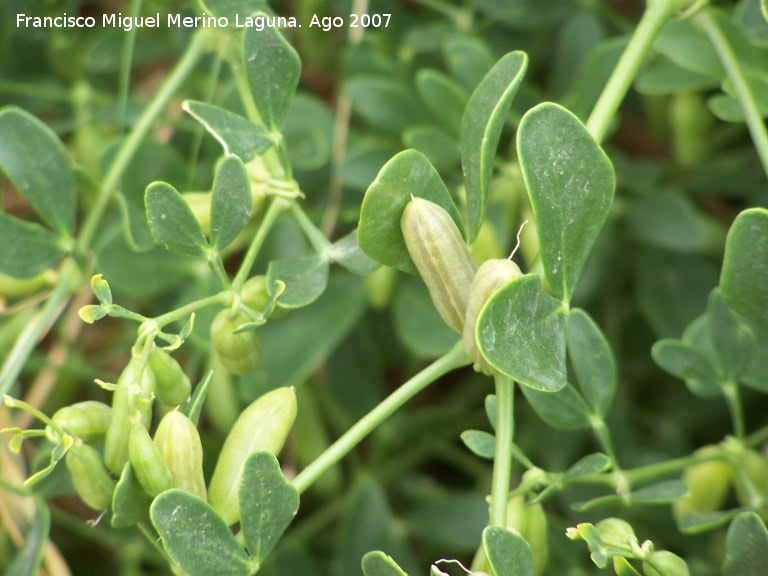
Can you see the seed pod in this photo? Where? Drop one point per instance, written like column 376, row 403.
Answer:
column 172, row 386
column 85, row 420
column 531, row 523
column 708, row 484
column 147, row 462
column 255, row 295
column 238, row 352
column 178, row 442
column 441, row 257
column 136, row 393
column 492, row 275
column 89, row 476
column 264, row 425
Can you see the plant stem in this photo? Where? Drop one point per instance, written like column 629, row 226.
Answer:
column 314, row 235
column 655, row 16
column 733, row 399
column 131, row 144
column 708, row 23
column 180, row 313
column 124, row 82
column 502, row 458
column 453, row 359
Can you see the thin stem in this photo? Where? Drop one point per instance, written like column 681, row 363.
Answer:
column 453, row 359
column 131, row 144
column 199, row 129
column 655, row 16
column 733, row 399
column 502, row 458
column 124, row 82
column 184, row 311
column 274, row 210
column 708, row 23
column 314, row 235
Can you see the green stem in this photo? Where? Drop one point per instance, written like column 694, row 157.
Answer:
column 274, row 210
column 181, row 313
column 655, row 16
column 708, row 23
column 733, row 399
column 502, row 458
column 312, row 232
column 124, row 82
column 453, row 359
column 131, row 144
column 36, row 329
column 603, row 436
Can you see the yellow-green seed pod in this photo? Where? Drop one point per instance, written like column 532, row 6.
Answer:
column 530, row 521
column 492, row 275
column 172, row 385
column 85, row 420
column 178, row 442
column 147, row 462
column 753, row 468
column 441, row 257
column 89, row 476
column 264, row 425
column 239, row 352
column 708, row 484
column 379, row 286
column 136, row 393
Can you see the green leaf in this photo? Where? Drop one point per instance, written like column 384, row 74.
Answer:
column 468, row 59
column 407, row 174
column 273, row 68
column 744, row 278
column 379, row 564
column 26, row 248
column 130, row 503
column 698, row 522
column 592, row 464
column 36, row 162
column 231, row 202
column 435, row 143
column 268, row 504
column 347, row 253
column 688, row 363
column 196, row 537
column 660, row 493
column 682, row 43
column 419, row 326
column 308, row 132
column 235, row 134
column 508, row 553
column 564, row 409
column 305, row 279
column 746, row 546
column 480, row 443
column 481, row 127
column 622, row 567
column 732, row 342
column 384, row 103
column 444, row 97
column 592, row 361
column 172, row 222
column 230, row 9
column 192, row 410
column 521, row 333
column 29, row 557
column 571, row 182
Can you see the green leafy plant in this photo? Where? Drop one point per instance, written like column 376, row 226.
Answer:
column 301, row 243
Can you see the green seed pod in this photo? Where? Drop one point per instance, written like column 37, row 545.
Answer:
column 147, row 462
column 379, row 286
column 492, row 275
column 137, row 394
column 530, row 521
column 441, row 257
column 753, row 468
column 172, row 386
column 264, row 425
column 89, row 476
column 85, row 420
column 708, row 484
column 255, row 295
column 238, row 352
column 178, row 442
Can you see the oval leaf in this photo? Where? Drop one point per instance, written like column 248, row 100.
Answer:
column 231, row 202
column 746, row 546
column 481, row 127
column 273, row 68
column 688, row 363
column 196, row 537
column 35, row 160
column 172, row 222
column 592, row 464
column 564, row 409
column 26, row 248
column 347, row 253
column 406, row 174
column 379, row 564
column 130, row 503
column 571, row 182
column 480, row 443
column 508, row 553
column 305, row 279
column 521, row 333
column 235, row 134
column 592, row 361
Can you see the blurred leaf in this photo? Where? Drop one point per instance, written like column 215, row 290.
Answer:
column 196, row 537
column 481, row 127
column 305, row 279
column 433, row 518
column 744, row 278
column 727, row 106
column 444, row 97
column 379, row 234
column 439, row 146
column 29, row 557
column 235, row 134
column 419, row 326
column 172, row 223
column 592, row 360
column 231, row 202
column 697, row 522
column 756, row 374
column 268, row 503
column 363, row 161
column 749, row 16
column 273, row 68
column 36, row 162
column 468, row 59
column 347, row 253
column 592, row 464
column 732, row 342
column 622, row 567
column 578, row 36
column 383, row 103
column 26, row 248
column 660, row 493
column 665, row 77
column 230, row 9
column 379, row 564
column 746, row 546
column 571, row 182
column 521, row 333
column 308, row 132
column 480, row 443
column 682, row 43
column 508, row 553
column 564, row 409
column 684, row 361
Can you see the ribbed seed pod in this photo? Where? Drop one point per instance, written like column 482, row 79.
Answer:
column 264, row 425
column 147, row 462
column 172, row 386
column 492, row 275
column 239, row 352
column 85, row 420
column 441, row 257
column 178, row 442
column 89, row 476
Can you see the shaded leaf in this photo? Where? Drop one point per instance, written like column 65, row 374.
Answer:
column 746, row 546
column 688, row 363
column 592, row 361
column 660, row 493
column 563, row 409
column 508, row 553
column 26, row 248
column 29, row 557
column 697, row 522
column 480, row 443
column 231, row 202
column 592, row 464
column 384, row 103
column 347, row 253
column 305, row 279
column 172, row 222
column 379, row 564
column 130, row 503
column 235, row 134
